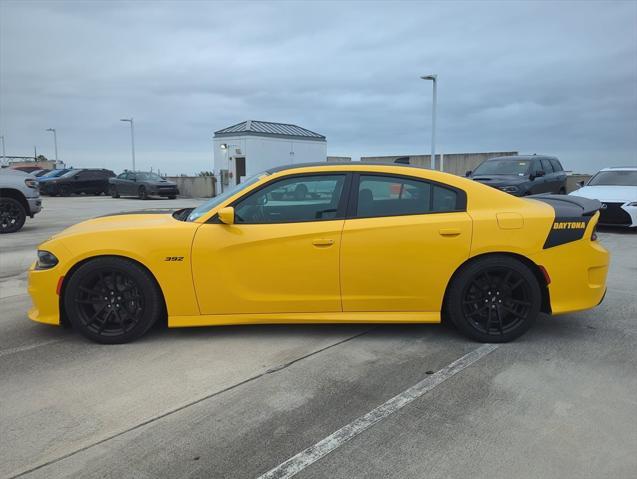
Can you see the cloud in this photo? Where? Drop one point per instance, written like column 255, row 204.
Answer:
column 558, row 77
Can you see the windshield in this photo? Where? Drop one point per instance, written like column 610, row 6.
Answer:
column 53, row 173
column 69, row 173
column 614, row 178
column 503, row 167
column 143, row 175
column 217, row 200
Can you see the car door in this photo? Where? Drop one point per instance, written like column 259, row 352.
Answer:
column 402, row 241
column 538, row 183
column 551, row 183
column 560, row 175
column 282, row 253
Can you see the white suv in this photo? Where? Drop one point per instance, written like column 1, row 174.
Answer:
column 19, row 197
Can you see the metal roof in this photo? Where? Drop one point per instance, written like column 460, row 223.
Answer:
column 268, row 128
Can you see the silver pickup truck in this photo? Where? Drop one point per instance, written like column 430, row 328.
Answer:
column 19, row 198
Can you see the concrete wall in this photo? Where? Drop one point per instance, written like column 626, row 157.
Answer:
column 195, row 186
column 573, row 179
column 339, row 158
column 456, row 163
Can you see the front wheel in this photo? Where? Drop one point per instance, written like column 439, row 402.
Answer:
column 12, row 215
column 494, row 300
column 114, row 192
column 142, row 193
column 112, row 300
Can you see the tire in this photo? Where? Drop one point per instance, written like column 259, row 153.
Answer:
column 112, row 300
column 562, row 191
column 172, row 197
column 12, row 215
column 114, row 192
column 494, row 299
column 64, row 191
column 142, row 193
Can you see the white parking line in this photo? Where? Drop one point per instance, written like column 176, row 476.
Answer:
column 303, row 459
column 19, row 349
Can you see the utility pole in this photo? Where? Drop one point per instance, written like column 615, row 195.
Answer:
column 433, row 78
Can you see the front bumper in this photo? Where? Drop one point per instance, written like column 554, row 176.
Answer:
column 617, row 214
column 42, row 289
column 35, row 205
column 165, row 191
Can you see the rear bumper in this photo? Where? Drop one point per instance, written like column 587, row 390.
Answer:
column 578, row 273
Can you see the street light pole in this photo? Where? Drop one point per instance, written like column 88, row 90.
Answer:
column 3, row 152
column 55, row 142
column 132, row 136
column 433, row 78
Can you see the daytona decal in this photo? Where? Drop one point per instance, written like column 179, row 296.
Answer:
column 565, row 230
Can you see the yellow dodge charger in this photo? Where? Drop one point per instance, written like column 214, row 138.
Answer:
column 328, row 243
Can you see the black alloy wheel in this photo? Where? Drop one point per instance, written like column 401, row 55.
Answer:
column 12, row 215
column 143, row 194
column 495, row 299
column 112, row 300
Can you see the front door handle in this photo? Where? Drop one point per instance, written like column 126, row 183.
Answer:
column 449, row 232
column 323, row 242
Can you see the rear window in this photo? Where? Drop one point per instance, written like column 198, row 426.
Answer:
column 556, row 165
column 395, row 196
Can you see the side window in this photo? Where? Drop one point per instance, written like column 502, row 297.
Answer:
column 395, row 196
column 123, row 176
column 546, row 166
column 556, row 165
column 290, row 200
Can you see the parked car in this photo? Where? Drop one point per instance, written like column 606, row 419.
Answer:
column 616, row 188
column 19, row 198
column 52, row 174
column 382, row 243
column 142, row 184
column 85, row 180
column 522, row 175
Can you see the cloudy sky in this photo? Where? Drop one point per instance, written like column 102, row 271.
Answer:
column 549, row 77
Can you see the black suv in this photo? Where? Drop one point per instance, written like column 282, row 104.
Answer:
column 86, row 180
column 522, row 175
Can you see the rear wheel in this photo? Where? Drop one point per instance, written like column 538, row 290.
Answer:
column 12, row 215
column 142, row 193
column 112, row 300
column 562, row 191
column 114, row 192
column 172, row 197
column 64, row 191
column 495, row 299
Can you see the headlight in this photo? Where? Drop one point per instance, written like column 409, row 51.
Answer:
column 46, row 260
column 510, row 189
column 31, row 183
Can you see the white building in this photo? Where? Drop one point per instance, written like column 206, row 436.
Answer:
column 250, row 147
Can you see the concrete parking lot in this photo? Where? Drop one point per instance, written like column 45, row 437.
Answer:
column 237, row 402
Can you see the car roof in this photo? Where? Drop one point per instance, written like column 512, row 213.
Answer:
column 524, row 157
column 294, row 166
column 620, row 168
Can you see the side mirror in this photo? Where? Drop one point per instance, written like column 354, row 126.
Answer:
column 226, row 215
column 468, row 173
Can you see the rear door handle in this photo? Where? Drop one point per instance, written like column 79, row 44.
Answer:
column 323, row 242
column 449, row 232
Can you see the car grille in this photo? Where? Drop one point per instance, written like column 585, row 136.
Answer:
column 613, row 214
